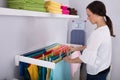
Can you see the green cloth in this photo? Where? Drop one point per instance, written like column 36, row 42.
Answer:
column 28, row 8
column 25, row 5
column 28, row 1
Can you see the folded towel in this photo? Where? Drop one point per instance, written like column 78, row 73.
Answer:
column 65, row 11
column 15, row 6
column 64, row 7
column 28, row 1
column 55, row 12
column 34, row 5
column 35, row 9
column 13, row 1
column 52, row 3
column 34, row 1
column 21, row 6
column 16, row 0
column 41, row 9
column 72, row 11
column 27, row 4
column 53, row 9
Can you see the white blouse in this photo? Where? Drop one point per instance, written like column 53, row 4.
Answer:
column 98, row 53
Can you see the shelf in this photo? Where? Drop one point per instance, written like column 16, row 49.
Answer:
column 16, row 12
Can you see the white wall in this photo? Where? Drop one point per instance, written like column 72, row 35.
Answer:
column 3, row 3
column 113, row 10
column 19, row 35
column 80, row 6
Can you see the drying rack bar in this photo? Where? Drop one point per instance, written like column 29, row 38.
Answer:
column 19, row 58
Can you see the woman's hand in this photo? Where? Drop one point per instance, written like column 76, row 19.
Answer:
column 72, row 48
column 67, row 58
column 82, row 48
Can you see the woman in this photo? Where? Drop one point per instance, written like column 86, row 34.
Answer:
column 98, row 52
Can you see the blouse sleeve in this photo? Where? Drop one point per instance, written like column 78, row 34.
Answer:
column 90, row 53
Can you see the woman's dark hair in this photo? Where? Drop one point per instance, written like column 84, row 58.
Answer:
column 98, row 8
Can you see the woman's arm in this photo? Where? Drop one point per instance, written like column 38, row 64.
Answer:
column 77, row 48
column 75, row 60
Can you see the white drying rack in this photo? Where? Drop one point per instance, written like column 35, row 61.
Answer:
column 19, row 58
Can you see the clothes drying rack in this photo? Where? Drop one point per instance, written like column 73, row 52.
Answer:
column 47, row 64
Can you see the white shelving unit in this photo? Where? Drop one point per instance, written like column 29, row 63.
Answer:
column 17, row 12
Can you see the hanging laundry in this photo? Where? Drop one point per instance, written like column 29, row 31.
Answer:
column 61, row 72
column 54, row 53
column 48, row 74
column 74, row 66
column 33, row 72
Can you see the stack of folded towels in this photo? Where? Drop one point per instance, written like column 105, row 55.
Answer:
column 53, row 7
column 73, row 11
column 34, row 5
column 65, row 10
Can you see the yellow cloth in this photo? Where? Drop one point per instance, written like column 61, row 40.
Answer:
column 33, row 71
column 55, row 12
column 53, row 7
column 52, row 3
column 49, row 8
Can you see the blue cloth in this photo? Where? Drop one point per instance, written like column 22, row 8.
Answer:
column 42, row 73
column 23, row 71
column 61, row 72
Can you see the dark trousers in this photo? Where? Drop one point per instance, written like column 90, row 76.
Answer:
column 100, row 76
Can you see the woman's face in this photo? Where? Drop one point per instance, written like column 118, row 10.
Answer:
column 91, row 17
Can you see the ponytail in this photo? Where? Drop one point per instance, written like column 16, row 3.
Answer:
column 109, row 23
